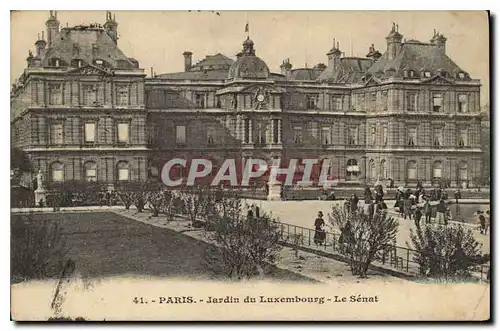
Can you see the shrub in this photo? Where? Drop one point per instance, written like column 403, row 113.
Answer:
column 362, row 239
column 38, row 249
column 245, row 244
column 446, row 251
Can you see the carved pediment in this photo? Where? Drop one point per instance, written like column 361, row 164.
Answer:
column 371, row 82
column 89, row 70
column 438, row 80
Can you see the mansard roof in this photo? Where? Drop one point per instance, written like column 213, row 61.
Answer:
column 87, row 44
column 305, row 74
column 416, row 56
column 350, row 70
column 217, row 61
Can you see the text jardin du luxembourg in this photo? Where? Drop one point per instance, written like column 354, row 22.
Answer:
column 261, row 299
column 295, row 299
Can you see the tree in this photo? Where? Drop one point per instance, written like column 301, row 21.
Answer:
column 127, row 192
column 245, row 244
column 362, row 239
column 446, row 251
column 195, row 201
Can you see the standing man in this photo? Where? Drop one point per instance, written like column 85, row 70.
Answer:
column 441, row 211
column 418, row 216
column 427, row 211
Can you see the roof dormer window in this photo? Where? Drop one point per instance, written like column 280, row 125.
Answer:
column 55, row 63
column 77, row 63
column 405, row 73
column 412, row 73
column 99, row 62
column 427, row 74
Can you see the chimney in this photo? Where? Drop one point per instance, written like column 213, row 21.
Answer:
column 393, row 42
column 40, row 45
column 286, row 68
column 334, row 55
column 440, row 41
column 52, row 25
column 188, row 58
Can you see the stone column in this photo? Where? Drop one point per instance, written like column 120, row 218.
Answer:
column 250, row 131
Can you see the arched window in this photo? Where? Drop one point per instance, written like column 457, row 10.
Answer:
column 437, row 170
column 383, row 169
column 352, row 170
column 372, row 170
column 90, row 172
column 411, row 170
column 123, row 171
column 57, row 172
column 462, row 171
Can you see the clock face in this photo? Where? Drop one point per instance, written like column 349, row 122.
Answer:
column 260, row 98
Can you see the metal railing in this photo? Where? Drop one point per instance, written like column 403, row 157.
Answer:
column 393, row 256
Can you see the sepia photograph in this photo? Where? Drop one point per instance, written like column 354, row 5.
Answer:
column 250, row 165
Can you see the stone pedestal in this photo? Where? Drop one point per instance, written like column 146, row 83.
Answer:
column 274, row 192
column 40, row 194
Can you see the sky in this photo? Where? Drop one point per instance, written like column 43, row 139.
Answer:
column 158, row 38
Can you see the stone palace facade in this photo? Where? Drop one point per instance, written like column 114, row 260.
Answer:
column 83, row 110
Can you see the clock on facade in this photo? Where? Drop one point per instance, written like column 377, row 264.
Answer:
column 260, row 97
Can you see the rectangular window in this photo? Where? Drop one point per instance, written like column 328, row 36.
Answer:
column 276, row 131
column 437, row 102
column 336, row 103
column 373, row 135
column 200, row 100
column 437, row 172
column 180, row 134
column 312, row 101
column 373, row 101
column 438, row 137
column 411, row 101
column 246, row 128
column 55, row 94
column 352, row 136
column 384, row 136
column 412, row 137
column 90, row 95
column 123, row 132
column 56, row 134
column 326, row 135
column 211, row 135
column 262, row 133
column 314, row 130
column 463, row 138
column 462, row 103
column 122, row 97
column 123, row 174
column 89, row 132
column 384, row 100
column 297, row 135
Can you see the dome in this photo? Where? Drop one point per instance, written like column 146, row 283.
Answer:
column 249, row 66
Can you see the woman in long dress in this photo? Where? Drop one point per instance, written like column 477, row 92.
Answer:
column 319, row 234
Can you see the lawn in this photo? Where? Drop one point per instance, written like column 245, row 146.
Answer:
column 106, row 244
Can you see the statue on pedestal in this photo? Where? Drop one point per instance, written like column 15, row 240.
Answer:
column 39, row 181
